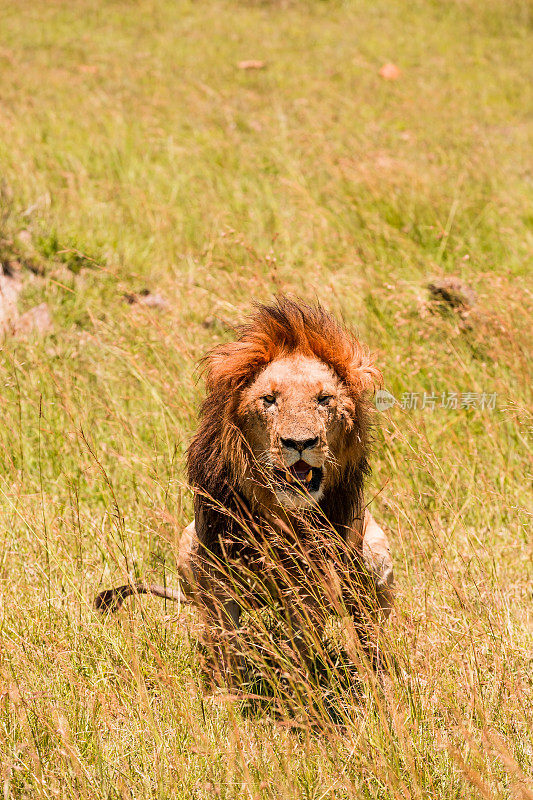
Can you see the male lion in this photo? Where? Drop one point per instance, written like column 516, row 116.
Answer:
column 281, row 452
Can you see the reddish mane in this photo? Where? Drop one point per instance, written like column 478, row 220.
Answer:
column 284, row 328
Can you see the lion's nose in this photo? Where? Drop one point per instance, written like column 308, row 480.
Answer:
column 299, row 444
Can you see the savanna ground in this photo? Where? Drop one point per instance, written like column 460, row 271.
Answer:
column 135, row 154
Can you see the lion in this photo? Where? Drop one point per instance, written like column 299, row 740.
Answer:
column 281, row 450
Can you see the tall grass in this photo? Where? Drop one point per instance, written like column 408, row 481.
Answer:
column 135, row 154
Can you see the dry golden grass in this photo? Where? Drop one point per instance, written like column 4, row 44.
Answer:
column 134, row 153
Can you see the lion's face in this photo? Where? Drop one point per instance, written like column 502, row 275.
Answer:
column 296, row 416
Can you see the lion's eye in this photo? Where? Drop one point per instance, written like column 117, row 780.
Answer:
column 325, row 399
column 268, row 400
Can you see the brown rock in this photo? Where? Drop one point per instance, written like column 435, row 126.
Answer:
column 10, row 287
column 146, row 298
column 155, row 300
column 389, row 72
column 25, row 237
column 36, row 320
column 251, row 64
column 452, row 291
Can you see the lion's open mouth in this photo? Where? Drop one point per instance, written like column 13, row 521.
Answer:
column 298, row 476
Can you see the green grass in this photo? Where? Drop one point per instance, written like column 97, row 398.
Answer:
column 136, row 154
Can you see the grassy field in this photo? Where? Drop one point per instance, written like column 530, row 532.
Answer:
column 135, row 154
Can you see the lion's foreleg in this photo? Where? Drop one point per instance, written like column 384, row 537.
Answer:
column 220, row 615
column 377, row 558
column 372, row 546
column 371, row 591
column 219, row 611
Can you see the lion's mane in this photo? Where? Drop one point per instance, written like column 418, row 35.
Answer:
column 218, row 457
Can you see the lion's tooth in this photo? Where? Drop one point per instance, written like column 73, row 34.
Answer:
column 309, row 476
column 288, row 476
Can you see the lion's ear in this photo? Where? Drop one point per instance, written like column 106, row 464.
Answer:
column 230, row 365
column 364, row 375
column 218, row 369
